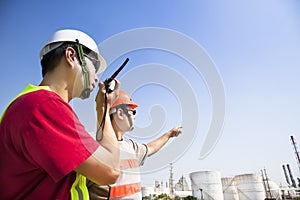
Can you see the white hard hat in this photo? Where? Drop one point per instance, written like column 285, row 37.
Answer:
column 68, row 35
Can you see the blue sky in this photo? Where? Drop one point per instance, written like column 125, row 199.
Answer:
column 254, row 45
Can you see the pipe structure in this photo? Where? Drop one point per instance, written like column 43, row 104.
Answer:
column 291, row 176
column 286, row 175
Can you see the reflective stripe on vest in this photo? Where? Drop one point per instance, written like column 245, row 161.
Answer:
column 124, row 190
column 79, row 189
column 128, row 163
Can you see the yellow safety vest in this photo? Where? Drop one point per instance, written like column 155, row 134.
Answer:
column 29, row 88
column 78, row 190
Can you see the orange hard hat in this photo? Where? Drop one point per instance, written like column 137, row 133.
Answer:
column 124, row 98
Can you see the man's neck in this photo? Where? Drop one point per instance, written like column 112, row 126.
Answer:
column 56, row 85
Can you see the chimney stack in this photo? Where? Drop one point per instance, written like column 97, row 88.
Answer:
column 291, row 176
column 286, row 175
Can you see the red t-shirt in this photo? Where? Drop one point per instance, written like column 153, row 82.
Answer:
column 41, row 142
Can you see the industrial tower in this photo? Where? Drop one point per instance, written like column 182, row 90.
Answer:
column 171, row 181
column 296, row 151
column 266, row 184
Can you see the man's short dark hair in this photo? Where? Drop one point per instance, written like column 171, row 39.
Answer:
column 52, row 59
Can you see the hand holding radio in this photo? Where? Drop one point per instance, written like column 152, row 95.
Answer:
column 111, row 97
column 108, row 90
column 107, row 94
column 110, row 83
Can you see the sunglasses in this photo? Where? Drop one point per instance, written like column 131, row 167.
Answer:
column 95, row 62
column 133, row 112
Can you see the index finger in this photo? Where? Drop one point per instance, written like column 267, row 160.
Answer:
column 179, row 127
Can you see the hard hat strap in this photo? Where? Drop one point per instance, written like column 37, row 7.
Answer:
column 86, row 91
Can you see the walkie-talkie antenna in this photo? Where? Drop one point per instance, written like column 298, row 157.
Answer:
column 107, row 83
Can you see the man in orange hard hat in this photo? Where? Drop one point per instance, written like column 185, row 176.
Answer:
column 132, row 154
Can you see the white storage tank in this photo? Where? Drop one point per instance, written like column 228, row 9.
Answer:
column 250, row 186
column 207, row 185
column 230, row 191
column 275, row 190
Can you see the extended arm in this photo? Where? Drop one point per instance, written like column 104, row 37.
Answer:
column 158, row 143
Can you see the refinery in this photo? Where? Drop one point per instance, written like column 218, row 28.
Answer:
column 210, row 185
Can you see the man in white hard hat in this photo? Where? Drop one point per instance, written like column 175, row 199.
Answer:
column 45, row 152
column 133, row 154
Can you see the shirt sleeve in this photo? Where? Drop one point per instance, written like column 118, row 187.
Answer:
column 141, row 151
column 55, row 139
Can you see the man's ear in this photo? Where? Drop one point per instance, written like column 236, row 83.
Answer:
column 71, row 55
column 120, row 113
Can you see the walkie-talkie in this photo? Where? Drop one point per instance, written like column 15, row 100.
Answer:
column 109, row 83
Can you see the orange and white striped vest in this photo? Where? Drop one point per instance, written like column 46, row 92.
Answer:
column 128, row 186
